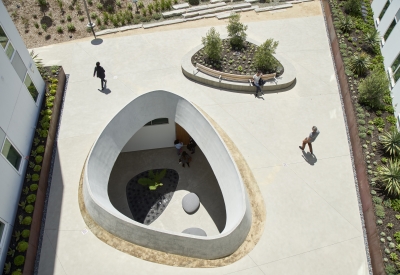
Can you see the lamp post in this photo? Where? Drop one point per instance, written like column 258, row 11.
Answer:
column 90, row 24
column 135, row 2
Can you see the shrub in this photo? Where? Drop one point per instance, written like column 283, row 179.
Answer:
column 393, row 256
column 25, row 233
column 31, row 198
column 22, row 246
column 27, row 220
column 376, row 200
column 361, row 122
column 19, row 260
column 33, row 187
column 35, row 177
column 71, row 28
column 29, row 208
column 389, row 109
column 40, row 149
column 373, row 88
column 378, row 122
column 36, row 25
column 353, row 7
column 384, row 160
column 60, row 29
column 44, row 27
column 212, row 44
column 69, row 18
column 362, row 129
column 379, row 211
column 81, row 18
column 362, row 135
column 98, row 21
column 263, row 57
column 359, row 64
column 38, row 159
column 397, row 236
column 194, row 2
column 236, row 31
column 157, row 16
column 391, row 119
column 391, row 142
column 93, row 15
column 389, row 175
column 17, row 272
column 396, row 205
column 390, row 269
column 346, row 24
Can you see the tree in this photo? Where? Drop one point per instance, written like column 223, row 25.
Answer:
column 359, row 64
column 371, row 40
column 373, row 88
column 236, row 31
column 212, row 44
column 263, row 57
column 353, row 7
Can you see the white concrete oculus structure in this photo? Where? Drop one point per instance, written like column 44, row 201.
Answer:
column 108, row 146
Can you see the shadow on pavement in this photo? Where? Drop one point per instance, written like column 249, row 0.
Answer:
column 311, row 159
column 97, row 41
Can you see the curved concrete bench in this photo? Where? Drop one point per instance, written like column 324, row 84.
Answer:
column 195, row 231
column 190, row 203
column 285, row 80
column 108, row 146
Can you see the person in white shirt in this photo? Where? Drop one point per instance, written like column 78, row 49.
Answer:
column 258, row 82
column 178, row 145
column 310, row 139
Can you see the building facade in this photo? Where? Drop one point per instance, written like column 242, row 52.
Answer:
column 387, row 17
column 21, row 93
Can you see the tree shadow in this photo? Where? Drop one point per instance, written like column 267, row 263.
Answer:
column 97, row 41
column 47, row 21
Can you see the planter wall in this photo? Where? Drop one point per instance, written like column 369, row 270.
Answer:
column 31, row 253
column 358, row 157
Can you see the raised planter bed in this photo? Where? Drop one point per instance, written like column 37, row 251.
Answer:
column 33, row 195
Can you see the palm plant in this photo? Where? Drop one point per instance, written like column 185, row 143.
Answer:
column 154, row 179
column 389, row 175
column 36, row 59
column 371, row 39
column 391, row 142
column 346, row 24
column 359, row 64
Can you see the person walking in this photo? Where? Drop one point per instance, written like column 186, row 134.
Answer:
column 178, row 145
column 310, row 139
column 191, row 146
column 185, row 158
column 101, row 73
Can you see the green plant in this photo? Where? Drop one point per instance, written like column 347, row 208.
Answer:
column 389, row 109
column 69, row 18
column 379, row 211
column 31, row 198
column 99, row 6
column 390, row 225
column 22, row 204
column 42, row 3
column 22, row 246
column 371, row 40
column 11, row 252
column 25, row 233
column 35, row 177
column 60, row 29
column 236, row 31
column 391, row 142
column 373, row 88
column 29, row 208
column 157, row 16
column 28, row 177
column 19, row 260
column 390, row 269
column 36, row 25
column 397, row 236
column 17, row 272
column 17, row 235
column 384, row 160
column 240, row 68
column 376, row 200
column 90, row 2
column 359, row 64
column 27, row 220
column 389, row 175
column 361, row 122
column 391, row 119
column 353, row 7
column 7, row 266
column 140, row 5
column 396, row 205
column 129, row 6
column 118, row 3
column 153, row 180
column 38, row 159
column 346, row 24
column 263, row 57
column 44, row 27
column 81, row 18
column 194, row 2
column 40, row 149
column 25, row 191
column 393, row 256
column 71, row 28
column 212, row 44
column 33, row 187
column 93, row 15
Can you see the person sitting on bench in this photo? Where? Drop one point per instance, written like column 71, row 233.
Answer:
column 258, row 82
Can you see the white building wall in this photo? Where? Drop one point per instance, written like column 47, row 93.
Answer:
column 18, row 116
column 152, row 137
column 391, row 47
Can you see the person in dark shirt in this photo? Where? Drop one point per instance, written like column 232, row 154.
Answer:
column 101, row 73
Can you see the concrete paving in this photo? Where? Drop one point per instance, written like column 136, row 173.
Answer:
column 313, row 222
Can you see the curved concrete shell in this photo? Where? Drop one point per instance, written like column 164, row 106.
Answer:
column 106, row 150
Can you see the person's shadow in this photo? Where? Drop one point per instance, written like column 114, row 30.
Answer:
column 311, row 159
column 106, row 91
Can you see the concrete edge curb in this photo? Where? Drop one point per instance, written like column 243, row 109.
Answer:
column 286, row 80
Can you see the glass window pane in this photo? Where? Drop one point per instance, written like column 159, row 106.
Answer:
column 396, row 63
column 11, row 154
column 19, row 66
column 2, row 226
column 390, row 29
column 396, row 75
column 9, row 50
column 384, row 9
column 3, row 38
column 31, row 87
column 397, row 16
column 160, row 121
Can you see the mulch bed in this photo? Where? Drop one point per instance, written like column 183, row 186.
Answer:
column 146, row 205
column 234, row 60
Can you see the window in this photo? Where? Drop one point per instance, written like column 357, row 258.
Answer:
column 384, row 9
column 19, row 66
column 11, row 154
column 2, row 230
column 6, row 44
column 390, row 29
column 157, row 121
column 396, row 68
column 31, row 87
